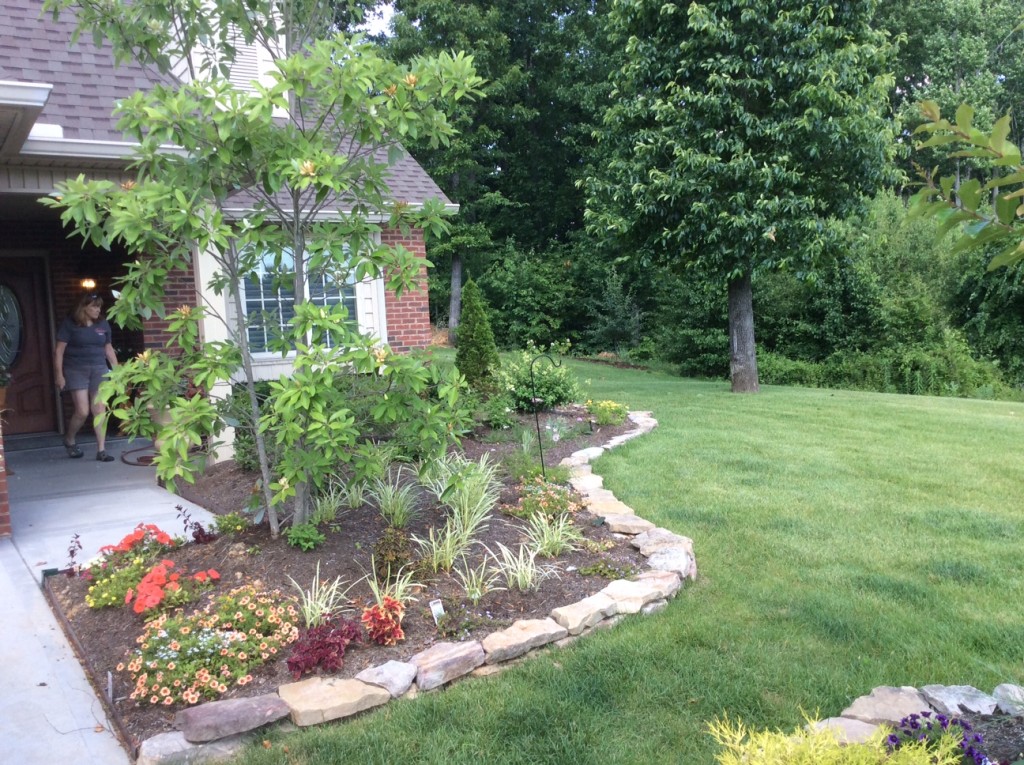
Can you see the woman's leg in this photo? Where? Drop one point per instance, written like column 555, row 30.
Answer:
column 99, row 422
column 80, row 400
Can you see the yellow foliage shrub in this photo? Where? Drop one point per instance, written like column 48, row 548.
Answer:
column 807, row 746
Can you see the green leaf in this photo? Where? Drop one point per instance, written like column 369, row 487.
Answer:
column 1006, row 209
column 999, row 133
column 964, row 117
column 970, row 194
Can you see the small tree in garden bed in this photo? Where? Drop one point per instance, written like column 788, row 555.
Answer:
column 314, row 190
column 476, row 354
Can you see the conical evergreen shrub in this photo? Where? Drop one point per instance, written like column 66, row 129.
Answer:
column 476, row 352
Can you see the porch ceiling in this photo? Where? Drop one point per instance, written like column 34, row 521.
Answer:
column 25, row 207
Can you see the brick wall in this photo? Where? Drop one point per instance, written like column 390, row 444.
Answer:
column 408, row 317
column 179, row 290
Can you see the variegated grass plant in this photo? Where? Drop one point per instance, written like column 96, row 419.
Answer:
column 323, row 599
column 395, row 499
column 552, row 536
column 328, row 502
column 469, row 491
column 400, row 586
column 521, row 569
column 477, row 582
column 354, row 494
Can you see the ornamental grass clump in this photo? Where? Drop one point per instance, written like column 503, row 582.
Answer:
column 477, row 582
column 395, row 499
column 184, row 658
column 521, row 569
column 322, row 600
column 551, row 536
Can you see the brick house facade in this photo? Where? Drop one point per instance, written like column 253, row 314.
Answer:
column 55, row 123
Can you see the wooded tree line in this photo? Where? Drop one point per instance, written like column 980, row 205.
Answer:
column 639, row 171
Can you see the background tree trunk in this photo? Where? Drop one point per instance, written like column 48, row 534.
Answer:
column 742, row 349
column 455, row 304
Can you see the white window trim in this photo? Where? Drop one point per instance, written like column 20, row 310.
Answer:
column 371, row 320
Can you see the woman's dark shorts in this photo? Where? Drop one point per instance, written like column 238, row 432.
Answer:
column 84, row 378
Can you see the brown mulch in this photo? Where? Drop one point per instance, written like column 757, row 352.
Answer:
column 106, row 635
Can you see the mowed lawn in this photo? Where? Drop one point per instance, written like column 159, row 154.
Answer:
column 844, row 540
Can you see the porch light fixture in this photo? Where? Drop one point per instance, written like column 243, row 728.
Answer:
column 88, row 284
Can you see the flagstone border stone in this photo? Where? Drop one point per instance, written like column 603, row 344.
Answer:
column 888, row 705
column 320, row 699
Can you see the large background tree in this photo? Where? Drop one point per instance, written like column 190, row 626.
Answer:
column 513, row 166
column 738, row 128
column 954, row 52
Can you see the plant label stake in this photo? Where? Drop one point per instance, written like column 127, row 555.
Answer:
column 436, row 609
column 536, row 405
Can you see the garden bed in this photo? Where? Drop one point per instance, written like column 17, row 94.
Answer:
column 107, row 635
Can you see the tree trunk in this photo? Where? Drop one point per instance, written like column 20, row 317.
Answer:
column 455, row 305
column 742, row 350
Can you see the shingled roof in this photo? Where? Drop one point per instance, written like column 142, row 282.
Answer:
column 35, row 49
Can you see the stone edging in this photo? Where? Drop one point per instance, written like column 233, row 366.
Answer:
column 217, row 730
column 888, row 705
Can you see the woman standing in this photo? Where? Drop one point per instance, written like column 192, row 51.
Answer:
column 80, row 363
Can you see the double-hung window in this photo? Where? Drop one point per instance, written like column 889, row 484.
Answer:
column 270, row 299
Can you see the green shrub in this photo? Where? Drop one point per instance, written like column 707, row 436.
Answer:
column 305, row 536
column 230, row 523
column 773, row 369
column 499, row 412
column 476, row 354
column 807, row 746
column 607, row 412
column 531, row 294
column 941, row 368
column 552, row 385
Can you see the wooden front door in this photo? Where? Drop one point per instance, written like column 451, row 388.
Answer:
column 26, row 347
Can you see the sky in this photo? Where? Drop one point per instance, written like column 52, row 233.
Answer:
column 380, row 20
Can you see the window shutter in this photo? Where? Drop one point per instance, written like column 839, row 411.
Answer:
column 246, row 67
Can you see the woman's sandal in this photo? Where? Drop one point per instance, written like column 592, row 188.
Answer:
column 102, row 457
column 73, row 451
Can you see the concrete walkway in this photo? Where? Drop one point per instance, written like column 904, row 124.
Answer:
column 49, row 713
